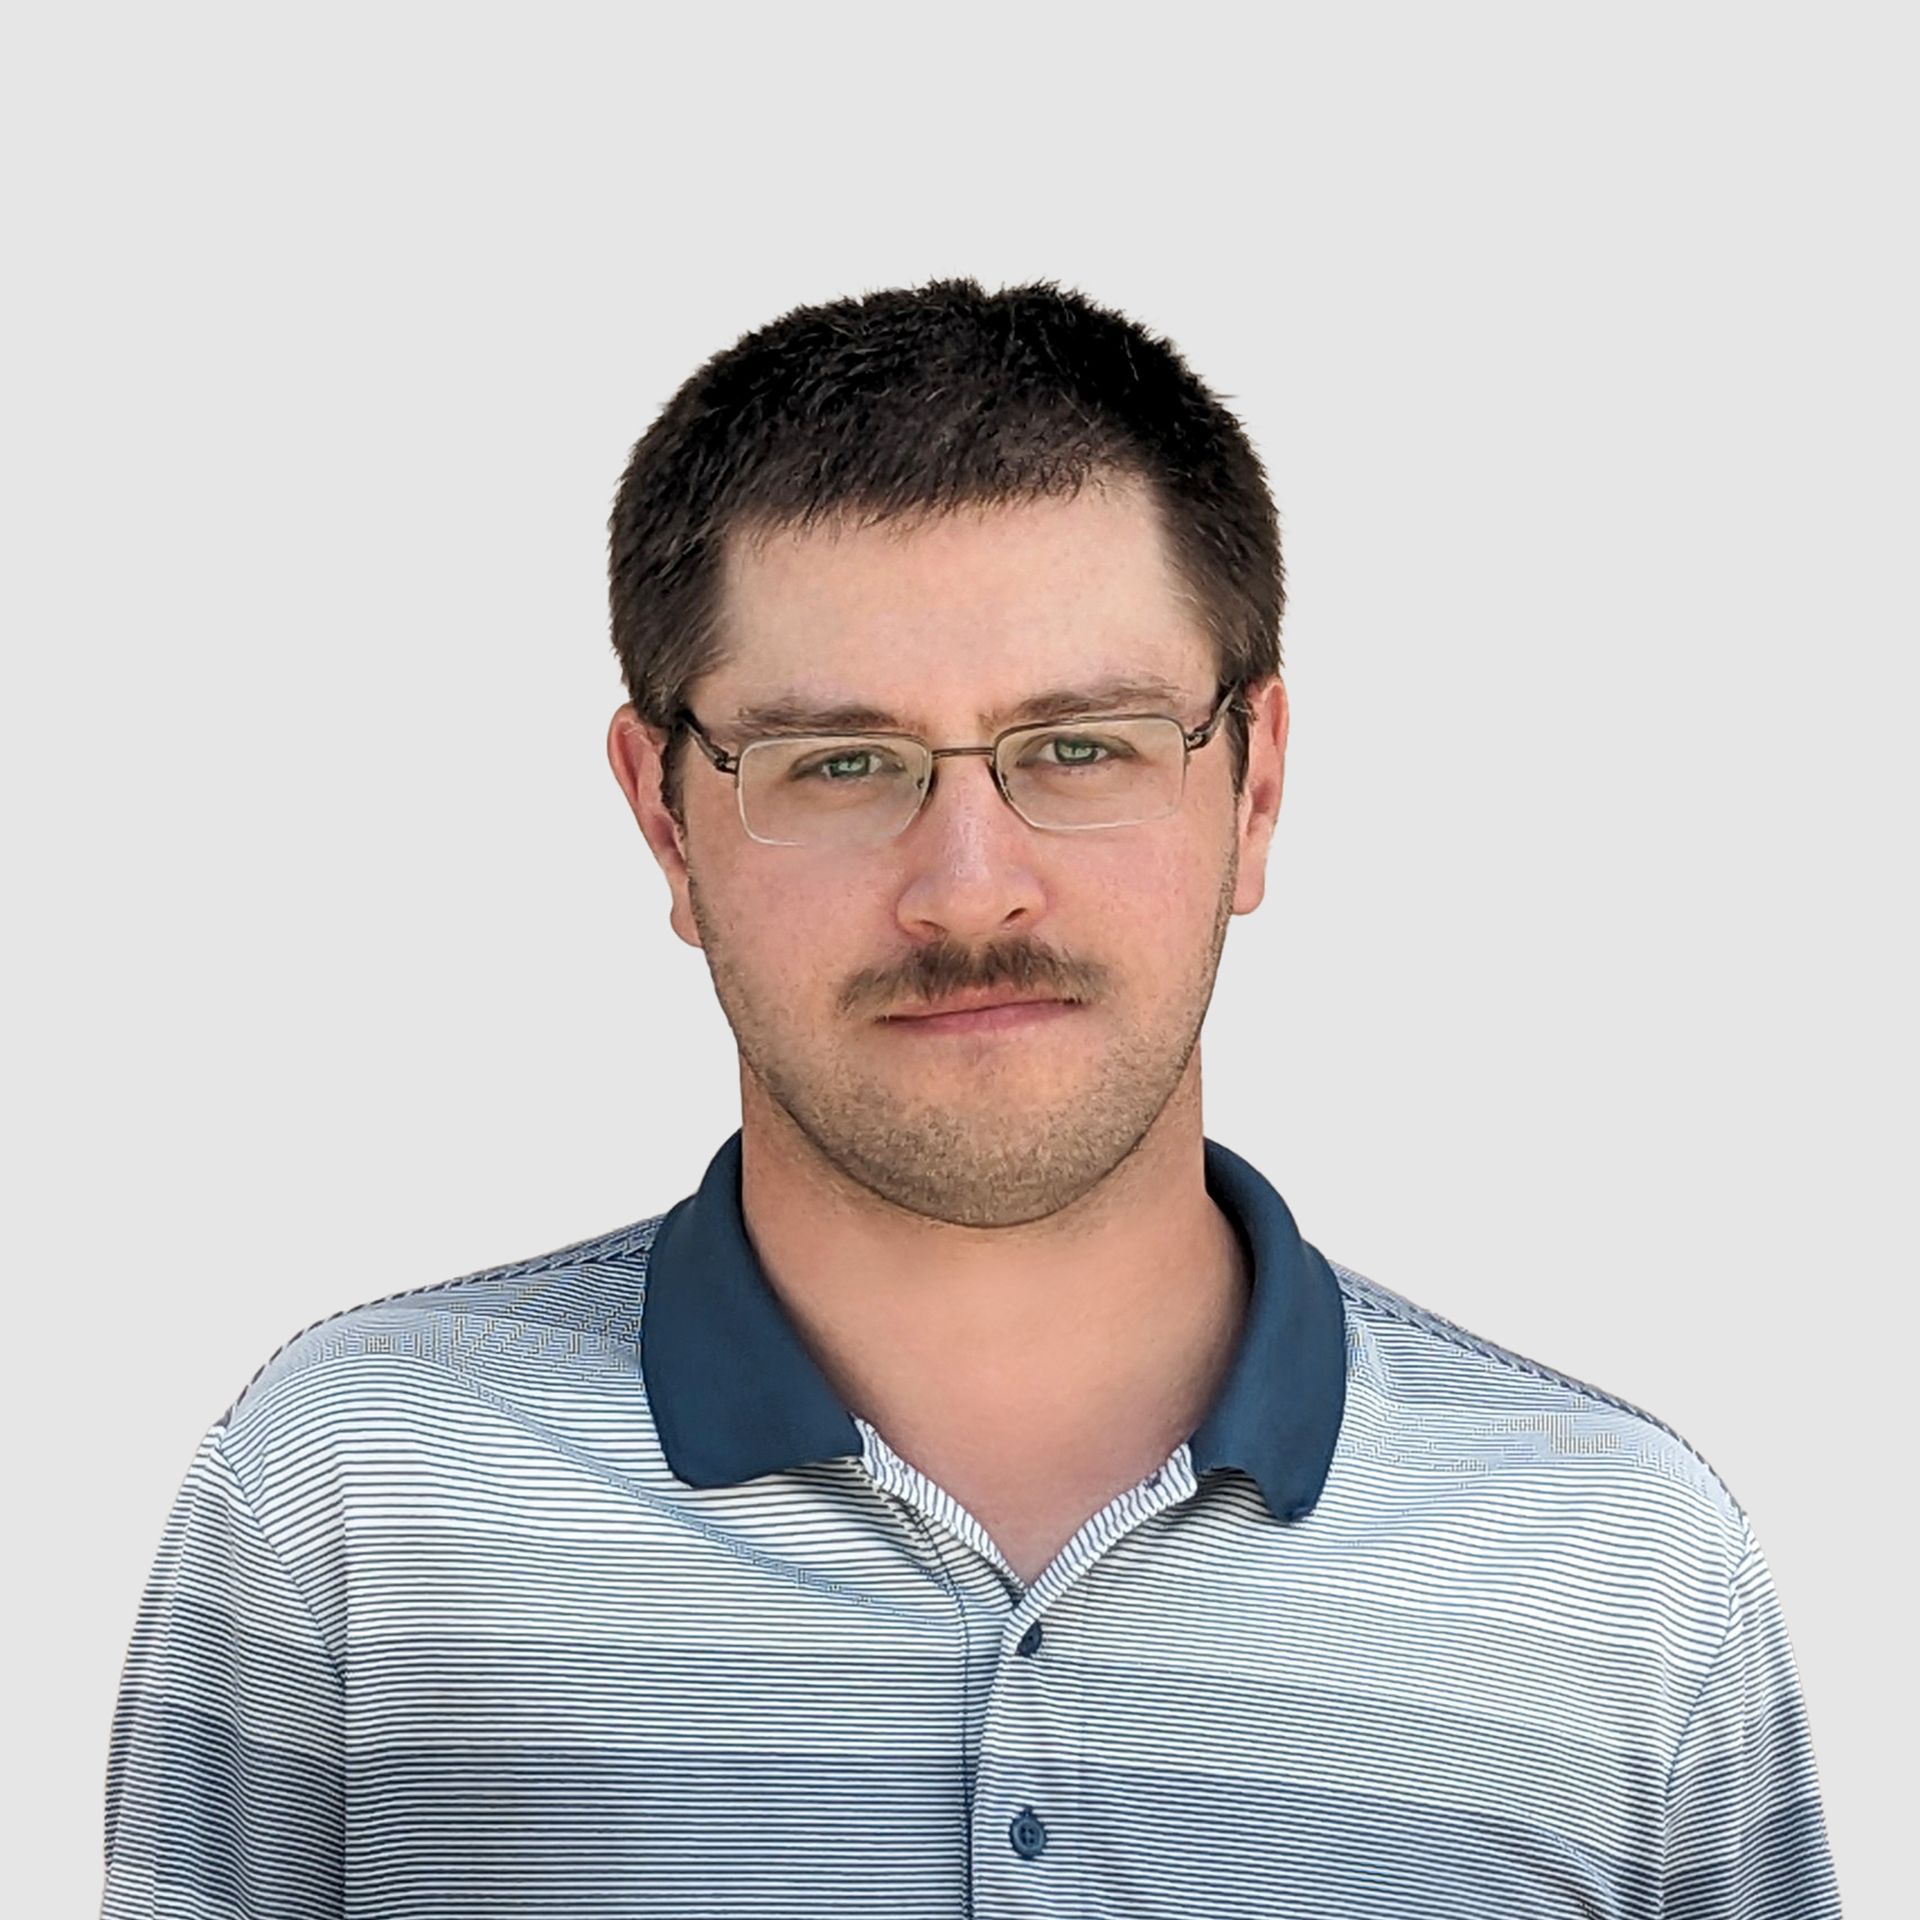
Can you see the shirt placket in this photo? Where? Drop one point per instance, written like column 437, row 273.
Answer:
column 1027, row 1835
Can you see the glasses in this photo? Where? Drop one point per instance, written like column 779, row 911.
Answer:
column 1064, row 776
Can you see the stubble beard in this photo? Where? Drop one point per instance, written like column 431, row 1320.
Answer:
column 1000, row 1149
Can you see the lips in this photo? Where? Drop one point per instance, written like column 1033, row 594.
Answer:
column 981, row 1015
column 976, row 1003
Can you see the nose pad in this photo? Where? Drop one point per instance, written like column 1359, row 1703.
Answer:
column 929, row 790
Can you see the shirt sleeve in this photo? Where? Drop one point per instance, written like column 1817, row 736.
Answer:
column 1746, row 1837
column 226, row 1763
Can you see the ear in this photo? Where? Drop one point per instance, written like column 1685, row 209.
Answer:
column 1259, row 808
column 636, row 750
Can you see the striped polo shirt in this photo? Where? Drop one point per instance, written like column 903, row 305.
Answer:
column 570, row 1588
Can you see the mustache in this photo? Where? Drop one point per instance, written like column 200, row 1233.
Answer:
column 935, row 972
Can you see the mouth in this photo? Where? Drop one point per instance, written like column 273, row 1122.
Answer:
column 997, row 1016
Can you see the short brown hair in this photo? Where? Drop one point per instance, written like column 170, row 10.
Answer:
column 921, row 400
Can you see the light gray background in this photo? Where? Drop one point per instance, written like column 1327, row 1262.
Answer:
column 1578, row 342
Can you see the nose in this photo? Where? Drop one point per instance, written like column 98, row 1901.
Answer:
column 969, row 866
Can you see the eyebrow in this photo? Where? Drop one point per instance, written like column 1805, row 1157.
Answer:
column 796, row 713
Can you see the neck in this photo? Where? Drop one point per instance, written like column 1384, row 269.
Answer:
column 1102, row 1331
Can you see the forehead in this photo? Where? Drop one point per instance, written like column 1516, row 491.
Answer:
column 981, row 617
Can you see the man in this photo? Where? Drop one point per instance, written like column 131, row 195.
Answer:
column 977, row 1497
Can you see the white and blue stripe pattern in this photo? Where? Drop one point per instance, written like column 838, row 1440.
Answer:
column 568, row 1588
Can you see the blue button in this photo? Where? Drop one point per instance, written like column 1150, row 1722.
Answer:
column 1029, row 1837
column 1030, row 1640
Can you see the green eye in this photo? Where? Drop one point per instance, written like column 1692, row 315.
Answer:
column 1065, row 750
column 808, row 769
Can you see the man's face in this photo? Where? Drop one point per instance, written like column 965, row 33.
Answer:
column 944, row 627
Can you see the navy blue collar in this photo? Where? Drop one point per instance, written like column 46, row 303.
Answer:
column 736, row 1395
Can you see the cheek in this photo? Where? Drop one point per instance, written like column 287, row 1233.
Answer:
column 1151, row 892
column 797, row 935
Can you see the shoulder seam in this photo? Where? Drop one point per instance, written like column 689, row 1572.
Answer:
column 1357, row 1287
column 1748, row 1548
column 636, row 1235
column 280, row 1559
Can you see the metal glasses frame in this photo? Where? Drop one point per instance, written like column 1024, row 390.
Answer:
column 1192, row 739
